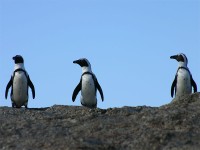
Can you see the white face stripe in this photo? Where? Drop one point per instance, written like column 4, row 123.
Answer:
column 185, row 58
column 88, row 68
column 19, row 66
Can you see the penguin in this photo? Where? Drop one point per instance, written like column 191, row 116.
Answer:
column 88, row 85
column 183, row 81
column 19, row 83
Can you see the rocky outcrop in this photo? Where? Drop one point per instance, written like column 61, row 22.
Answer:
column 174, row 126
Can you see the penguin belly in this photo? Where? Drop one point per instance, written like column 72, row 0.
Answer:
column 20, row 89
column 183, row 86
column 88, row 92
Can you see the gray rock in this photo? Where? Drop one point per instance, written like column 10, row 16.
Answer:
column 175, row 126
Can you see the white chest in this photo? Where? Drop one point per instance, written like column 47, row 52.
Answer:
column 88, row 84
column 88, row 91
column 183, row 83
column 20, row 87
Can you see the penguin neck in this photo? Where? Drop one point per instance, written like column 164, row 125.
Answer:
column 86, row 69
column 182, row 64
column 19, row 66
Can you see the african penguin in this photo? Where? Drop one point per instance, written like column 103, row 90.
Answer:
column 19, row 83
column 183, row 81
column 88, row 85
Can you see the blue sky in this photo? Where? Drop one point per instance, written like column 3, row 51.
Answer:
column 128, row 43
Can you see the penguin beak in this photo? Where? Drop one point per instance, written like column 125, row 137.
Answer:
column 13, row 58
column 76, row 61
column 174, row 57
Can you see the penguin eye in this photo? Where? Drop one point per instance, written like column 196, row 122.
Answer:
column 180, row 58
column 84, row 63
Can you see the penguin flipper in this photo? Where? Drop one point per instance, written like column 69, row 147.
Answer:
column 173, row 86
column 193, row 84
column 8, row 86
column 30, row 84
column 99, row 89
column 76, row 91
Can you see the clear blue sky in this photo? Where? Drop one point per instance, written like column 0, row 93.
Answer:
column 128, row 43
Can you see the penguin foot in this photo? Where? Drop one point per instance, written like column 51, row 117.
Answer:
column 13, row 105
column 89, row 106
column 26, row 104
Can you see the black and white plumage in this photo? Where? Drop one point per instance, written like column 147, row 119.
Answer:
column 183, row 81
column 19, row 83
column 88, row 85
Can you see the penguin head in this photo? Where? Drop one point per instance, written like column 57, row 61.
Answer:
column 18, row 59
column 84, row 63
column 181, row 58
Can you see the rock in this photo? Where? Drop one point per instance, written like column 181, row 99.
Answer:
column 174, row 126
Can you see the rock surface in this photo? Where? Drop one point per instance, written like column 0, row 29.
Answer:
column 175, row 126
